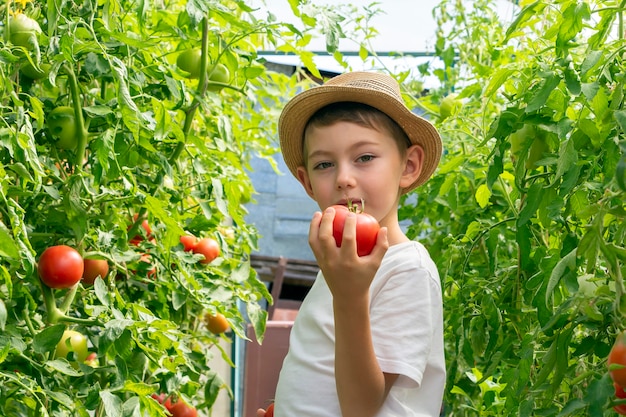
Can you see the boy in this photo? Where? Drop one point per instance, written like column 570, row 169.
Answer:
column 368, row 339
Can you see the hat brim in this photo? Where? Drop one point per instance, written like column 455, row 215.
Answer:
column 299, row 110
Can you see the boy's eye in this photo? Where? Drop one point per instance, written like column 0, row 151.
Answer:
column 365, row 158
column 322, row 165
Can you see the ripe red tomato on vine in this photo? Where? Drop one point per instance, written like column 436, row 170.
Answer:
column 60, row 267
column 616, row 360
column 366, row 228
column 207, row 247
column 182, row 409
column 189, row 242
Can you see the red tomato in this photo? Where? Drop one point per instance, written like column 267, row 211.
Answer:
column 60, row 267
column 209, row 248
column 146, row 227
column 182, row 409
column 189, row 242
column 94, row 268
column 366, row 229
column 619, row 391
column 617, row 360
column 270, row 410
column 620, row 409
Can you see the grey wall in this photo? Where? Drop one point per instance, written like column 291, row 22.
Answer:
column 282, row 212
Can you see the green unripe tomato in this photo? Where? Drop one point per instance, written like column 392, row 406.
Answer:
column 62, row 126
column 29, row 70
column 24, row 30
column 220, row 74
column 189, row 61
column 72, row 341
column 519, row 138
column 449, row 105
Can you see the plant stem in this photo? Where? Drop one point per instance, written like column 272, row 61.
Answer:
column 69, row 297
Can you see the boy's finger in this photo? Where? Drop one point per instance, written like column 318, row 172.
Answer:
column 348, row 239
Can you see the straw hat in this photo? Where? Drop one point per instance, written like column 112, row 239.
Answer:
column 374, row 89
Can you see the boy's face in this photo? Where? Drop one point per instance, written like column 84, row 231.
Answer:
column 345, row 161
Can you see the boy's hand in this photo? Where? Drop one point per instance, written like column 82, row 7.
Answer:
column 346, row 273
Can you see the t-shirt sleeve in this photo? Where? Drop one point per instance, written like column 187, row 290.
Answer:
column 404, row 309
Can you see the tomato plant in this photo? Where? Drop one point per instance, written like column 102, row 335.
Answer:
column 366, row 228
column 94, row 268
column 72, row 342
column 189, row 61
column 526, row 200
column 209, row 248
column 62, row 126
column 143, row 156
column 60, row 266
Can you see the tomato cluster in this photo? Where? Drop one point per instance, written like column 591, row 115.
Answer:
column 207, row 247
column 189, row 61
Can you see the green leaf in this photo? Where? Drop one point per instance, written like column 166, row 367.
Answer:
column 63, row 366
column 483, row 194
column 46, row 340
column 541, row 95
column 568, row 158
column 526, row 13
column 620, row 118
column 572, row 81
column 501, row 76
column 62, row 398
column 568, row 262
column 111, row 403
column 533, row 200
column 212, row 388
column 140, row 388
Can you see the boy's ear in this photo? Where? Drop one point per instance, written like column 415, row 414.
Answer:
column 413, row 165
column 303, row 177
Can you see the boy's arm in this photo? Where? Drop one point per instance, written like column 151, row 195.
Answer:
column 361, row 385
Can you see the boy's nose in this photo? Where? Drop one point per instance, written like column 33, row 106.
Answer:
column 345, row 178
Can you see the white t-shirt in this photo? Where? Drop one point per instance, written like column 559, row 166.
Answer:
column 406, row 315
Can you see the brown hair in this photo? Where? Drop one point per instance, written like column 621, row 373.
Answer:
column 359, row 114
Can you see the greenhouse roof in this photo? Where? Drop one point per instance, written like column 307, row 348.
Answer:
column 406, row 35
